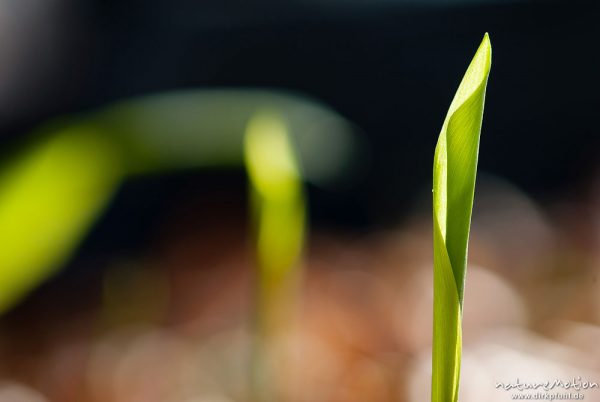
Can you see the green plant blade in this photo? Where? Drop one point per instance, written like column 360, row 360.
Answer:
column 454, row 172
column 277, row 194
column 49, row 197
column 54, row 187
column 279, row 221
column 205, row 128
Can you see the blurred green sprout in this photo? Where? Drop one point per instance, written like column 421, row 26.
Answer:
column 49, row 196
column 279, row 211
column 55, row 188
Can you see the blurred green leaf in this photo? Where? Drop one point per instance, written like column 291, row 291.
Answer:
column 206, row 128
column 454, row 172
column 277, row 190
column 49, row 196
column 53, row 190
column 279, row 213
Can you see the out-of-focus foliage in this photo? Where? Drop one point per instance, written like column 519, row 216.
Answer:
column 279, row 213
column 49, row 196
column 277, row 192
column 55, row 188
column 206, row 128
column 454, row 172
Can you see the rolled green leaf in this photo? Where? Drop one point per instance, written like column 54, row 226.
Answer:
column 454, row 172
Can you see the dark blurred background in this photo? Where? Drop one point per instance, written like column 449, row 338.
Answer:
column 389, row 66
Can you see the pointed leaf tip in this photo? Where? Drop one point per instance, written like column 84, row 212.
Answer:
column 455, row 170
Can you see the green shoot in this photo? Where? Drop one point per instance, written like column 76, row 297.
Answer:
column 279, row 213
column 55, row 187
column 50, row 195
column 454, row 172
